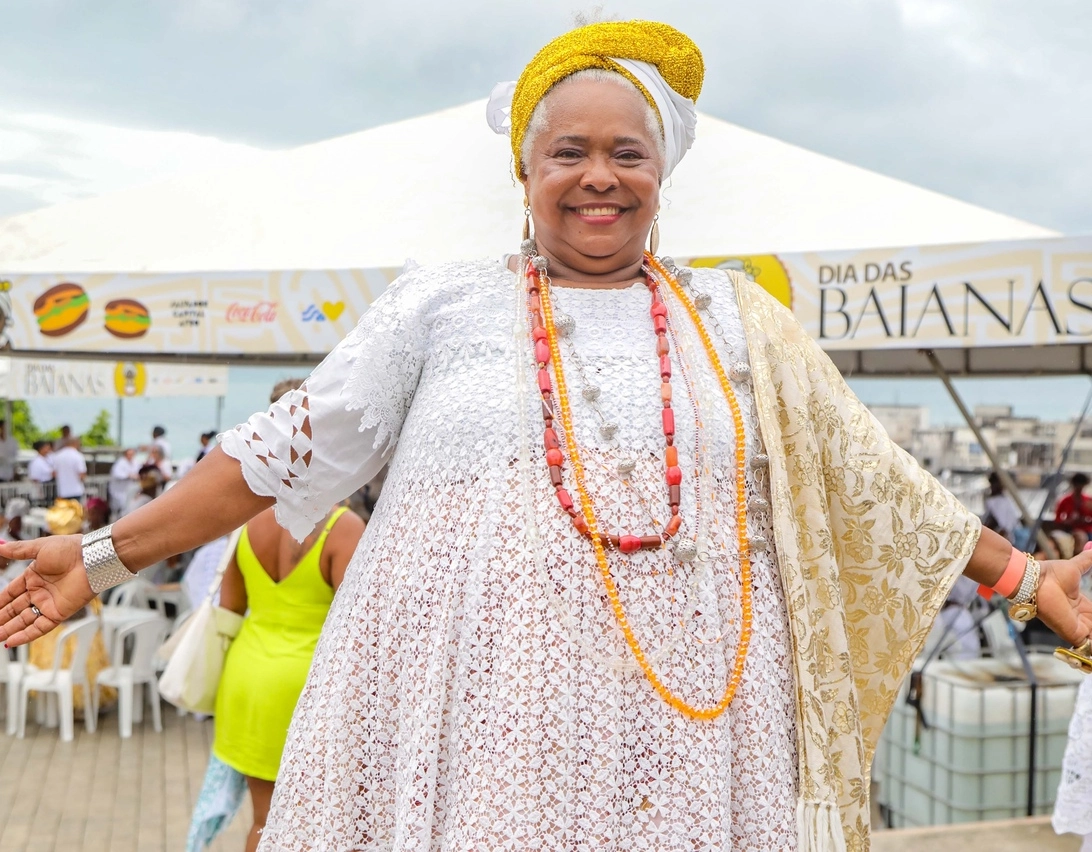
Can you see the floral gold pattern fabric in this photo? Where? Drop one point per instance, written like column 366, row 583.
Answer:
column 869, row 545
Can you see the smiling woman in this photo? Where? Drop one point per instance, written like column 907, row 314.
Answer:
column 593, row 179
column 645, row 574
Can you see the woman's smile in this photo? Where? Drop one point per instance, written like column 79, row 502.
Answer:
column 598, row 215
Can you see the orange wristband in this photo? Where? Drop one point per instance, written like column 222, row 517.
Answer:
column 1010, row 580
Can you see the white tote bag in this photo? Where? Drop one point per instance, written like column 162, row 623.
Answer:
column 195, row 653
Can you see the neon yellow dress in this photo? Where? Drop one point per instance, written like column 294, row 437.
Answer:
column 267, row 664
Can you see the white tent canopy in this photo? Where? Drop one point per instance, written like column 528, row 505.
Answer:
column 439, row 187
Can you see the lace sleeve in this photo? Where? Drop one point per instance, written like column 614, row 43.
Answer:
column 318, row 444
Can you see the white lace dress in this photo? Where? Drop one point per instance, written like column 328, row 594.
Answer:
column 471, row 690
column 1073, row 805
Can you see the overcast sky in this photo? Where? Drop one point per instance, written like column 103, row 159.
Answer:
column 986, row 100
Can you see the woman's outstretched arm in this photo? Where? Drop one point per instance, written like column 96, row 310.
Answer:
column 210, row 501
column 1060, row 603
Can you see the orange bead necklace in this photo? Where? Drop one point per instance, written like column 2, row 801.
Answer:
column 548, row 353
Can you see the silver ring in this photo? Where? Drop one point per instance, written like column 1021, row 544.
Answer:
column 37, row 612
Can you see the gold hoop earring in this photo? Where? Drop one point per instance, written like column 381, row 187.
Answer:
column 654, row 236
column 526, row 219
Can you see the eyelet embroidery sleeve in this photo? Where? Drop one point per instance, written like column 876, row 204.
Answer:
column 318, row 444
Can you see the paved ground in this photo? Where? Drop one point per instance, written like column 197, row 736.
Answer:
column 1016, row 836
column 100, row 793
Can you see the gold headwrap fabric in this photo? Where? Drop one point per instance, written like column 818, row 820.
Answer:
column 673, row 54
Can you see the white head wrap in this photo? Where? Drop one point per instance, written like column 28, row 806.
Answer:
column 678, row 115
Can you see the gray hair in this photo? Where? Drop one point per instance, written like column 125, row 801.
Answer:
column 540, row 118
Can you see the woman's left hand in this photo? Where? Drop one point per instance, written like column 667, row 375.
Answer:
column 1061, row 605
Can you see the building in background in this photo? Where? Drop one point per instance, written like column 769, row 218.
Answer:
column 1028, row 447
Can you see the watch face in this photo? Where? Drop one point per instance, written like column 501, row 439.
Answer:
column 1022, row 612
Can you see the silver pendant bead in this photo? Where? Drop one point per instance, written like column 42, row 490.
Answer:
column 528, row 248
column 626, row 467
column 760, row 461
column 539, row 262
column 564, row 324
column 759, row 544
column 685, row 550
column 758, row 504
column 608, row 430
column 702, row 301
column 684, row 275
column 740, row 371
column 668, row 262
column 590, row 393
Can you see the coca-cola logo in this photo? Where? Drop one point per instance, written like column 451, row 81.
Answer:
column 257, row 313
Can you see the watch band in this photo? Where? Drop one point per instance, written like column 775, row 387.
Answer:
column 104, row 569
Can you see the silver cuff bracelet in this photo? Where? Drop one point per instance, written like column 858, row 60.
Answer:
column 104, row 568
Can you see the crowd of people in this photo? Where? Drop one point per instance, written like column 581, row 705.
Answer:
column 56, row 480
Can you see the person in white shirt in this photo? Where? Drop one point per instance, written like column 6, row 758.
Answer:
column 207, row 445
column 1002, row 515
column 151, row 479
column 123, row 481
column 159, row 440
column 9, row 453
column 40, row 468
column 69, row 470
column 163, row 465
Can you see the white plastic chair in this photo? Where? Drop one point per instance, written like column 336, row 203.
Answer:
column 62, row 681
column 132, row 593
column 115, row 618
column 129, row 677
column 11, row 673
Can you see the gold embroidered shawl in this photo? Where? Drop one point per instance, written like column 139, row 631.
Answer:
column 868, row 546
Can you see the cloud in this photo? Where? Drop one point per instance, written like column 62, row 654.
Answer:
column 48, row 160
column 981, row 99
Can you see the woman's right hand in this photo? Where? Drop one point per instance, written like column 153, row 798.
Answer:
column 55, row 582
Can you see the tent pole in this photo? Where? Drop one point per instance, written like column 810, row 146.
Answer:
column 121, row 415
column 219, row 411
column 1041, row 537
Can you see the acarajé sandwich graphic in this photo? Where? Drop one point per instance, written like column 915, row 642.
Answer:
column 61, row 309
column 127, row 318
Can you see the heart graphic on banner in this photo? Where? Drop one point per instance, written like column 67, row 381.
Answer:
column 332, row 310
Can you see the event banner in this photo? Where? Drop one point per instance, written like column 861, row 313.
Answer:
column 37, row 378
column 202, row 313
column 1027, row 293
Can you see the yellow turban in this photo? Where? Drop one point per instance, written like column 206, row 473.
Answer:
column 646, row 53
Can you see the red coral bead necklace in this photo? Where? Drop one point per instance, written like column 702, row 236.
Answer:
column 541, row 333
